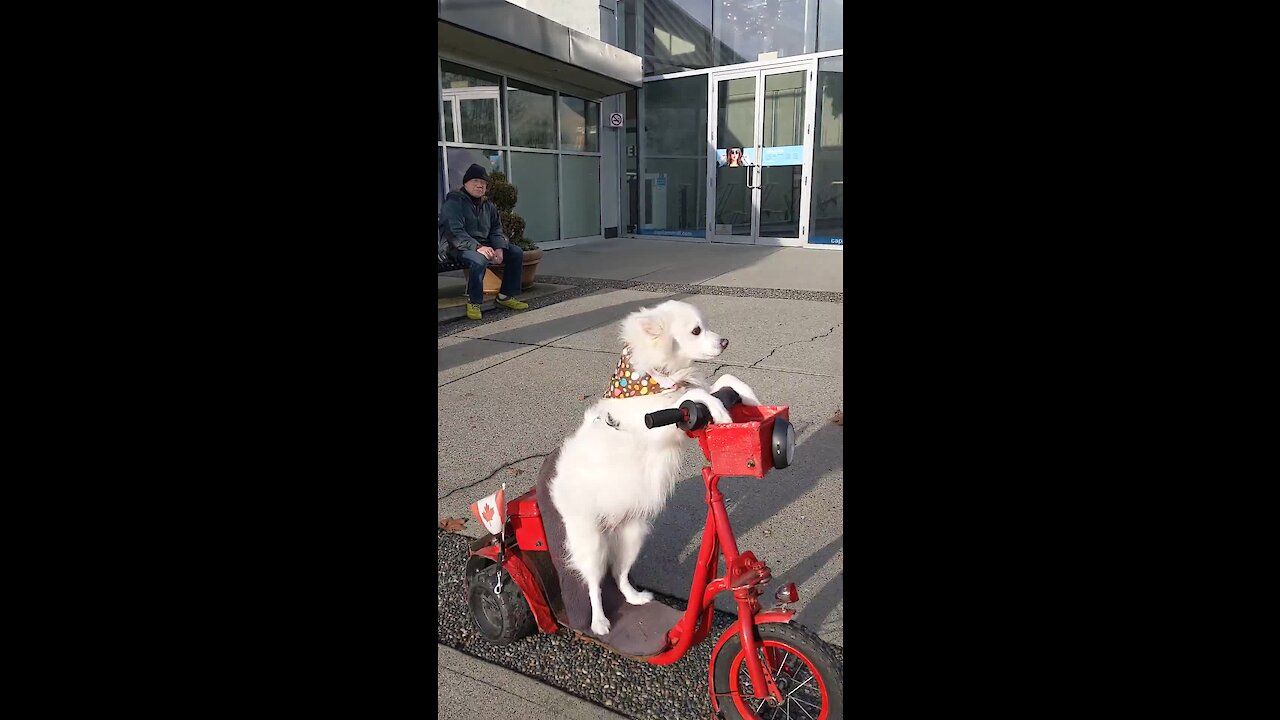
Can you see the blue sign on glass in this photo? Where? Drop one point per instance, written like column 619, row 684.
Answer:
column 785, row 155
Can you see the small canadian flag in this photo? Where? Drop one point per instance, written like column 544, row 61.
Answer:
column 492, row 511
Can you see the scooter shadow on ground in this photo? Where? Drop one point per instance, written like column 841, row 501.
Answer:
column 679, row 527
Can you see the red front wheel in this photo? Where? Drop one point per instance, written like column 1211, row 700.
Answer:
column 805, row 669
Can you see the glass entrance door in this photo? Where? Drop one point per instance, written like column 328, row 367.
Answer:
column 760, row 149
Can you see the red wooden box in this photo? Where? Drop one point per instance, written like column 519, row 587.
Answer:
column 743, row 446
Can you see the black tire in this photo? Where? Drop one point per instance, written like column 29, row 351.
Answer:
column 795, row 639
column 502, row 619
column 476, row 563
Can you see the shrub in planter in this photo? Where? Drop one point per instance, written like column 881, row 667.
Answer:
column 504, row 196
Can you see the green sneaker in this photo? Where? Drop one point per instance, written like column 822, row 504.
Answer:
column 473, row 312
column 512, row 304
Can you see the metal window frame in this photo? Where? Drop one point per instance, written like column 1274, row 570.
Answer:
column 506, row 108
column 777, row 67
column 713, row 74
column 504, row 146
column 745, row 66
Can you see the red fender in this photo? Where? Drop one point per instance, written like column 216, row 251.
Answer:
column 528, row 584
column 765, row 616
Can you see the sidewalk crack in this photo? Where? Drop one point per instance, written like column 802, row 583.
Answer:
column 490, row 476
column 795, row 342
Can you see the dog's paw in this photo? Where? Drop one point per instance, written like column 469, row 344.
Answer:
column 600, row 625
column 638, row 597
column 745, row 393
column 718, row 413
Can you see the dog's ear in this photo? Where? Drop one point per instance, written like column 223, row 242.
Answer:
column 650, row 324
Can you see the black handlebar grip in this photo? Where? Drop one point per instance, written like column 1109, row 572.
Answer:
column 659, row 418
column 728, row 396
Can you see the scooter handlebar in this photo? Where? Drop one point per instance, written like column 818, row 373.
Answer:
column 659, row 418
column 691, row 415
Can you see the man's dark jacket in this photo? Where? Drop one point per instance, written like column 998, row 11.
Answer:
column 466, row 225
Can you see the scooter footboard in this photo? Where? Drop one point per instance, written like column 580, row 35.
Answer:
column 636, row 630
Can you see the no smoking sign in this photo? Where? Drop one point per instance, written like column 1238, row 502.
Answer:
column 615, row 120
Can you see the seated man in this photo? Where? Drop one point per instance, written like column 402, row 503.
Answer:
column 470, row 232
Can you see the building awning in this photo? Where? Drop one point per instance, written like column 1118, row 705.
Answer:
column 504, row 34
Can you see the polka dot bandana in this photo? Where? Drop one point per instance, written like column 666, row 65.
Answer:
column 627, row 382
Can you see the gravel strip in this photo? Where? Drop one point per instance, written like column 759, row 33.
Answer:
column 578, row 667
column 586, row 286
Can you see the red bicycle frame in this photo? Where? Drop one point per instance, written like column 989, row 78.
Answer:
column 743, row 572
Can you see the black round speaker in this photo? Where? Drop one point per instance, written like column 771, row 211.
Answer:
column 784, row 442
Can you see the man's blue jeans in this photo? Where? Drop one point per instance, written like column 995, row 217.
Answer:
column 512, row 259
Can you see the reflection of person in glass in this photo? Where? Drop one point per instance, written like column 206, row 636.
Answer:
column 733, row 157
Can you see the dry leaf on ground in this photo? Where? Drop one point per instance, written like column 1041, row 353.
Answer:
column 838, row 418
column 453, row 524
column 516, row 471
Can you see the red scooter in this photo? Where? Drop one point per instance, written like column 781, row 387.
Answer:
column 763, row 665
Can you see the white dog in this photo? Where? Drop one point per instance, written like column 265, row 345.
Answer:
column 614, row 474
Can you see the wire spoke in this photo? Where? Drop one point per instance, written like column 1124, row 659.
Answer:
column 806, row 712
column 802, row 702
column 793, row 690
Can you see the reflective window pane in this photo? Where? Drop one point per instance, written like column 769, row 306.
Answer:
column 629, row 27
column 677, row 35
column 675, row 197
column 441, row 186
column 736, row 113
column 582, row 187
column 534, row 175
column 746, row 28
column 675, row 117
column 826, row 225
column 736, row 136
column 475, row 95
column 579, row 124
column 532, row 115
column 462, row 158
column 783, row 156
column 674, row 144
column 784, row 109
column 830, row 25
column 479, row 118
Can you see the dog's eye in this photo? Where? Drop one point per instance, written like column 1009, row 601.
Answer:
column 697, row 331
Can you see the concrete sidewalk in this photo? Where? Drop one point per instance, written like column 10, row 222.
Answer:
column 673, row 261
column 511, row 389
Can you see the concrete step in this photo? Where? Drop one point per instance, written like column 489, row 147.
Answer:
column 451, row 296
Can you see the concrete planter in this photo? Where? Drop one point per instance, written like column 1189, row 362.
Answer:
column 493, row 273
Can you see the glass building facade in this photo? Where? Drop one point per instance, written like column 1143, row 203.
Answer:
column 736, row 133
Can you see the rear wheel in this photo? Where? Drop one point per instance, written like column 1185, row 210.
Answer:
column 805, row 669
column 502, row 618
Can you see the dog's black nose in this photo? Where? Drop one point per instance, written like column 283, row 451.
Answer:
column 724, row 342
